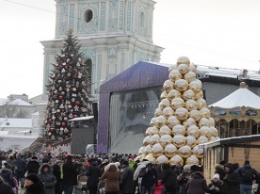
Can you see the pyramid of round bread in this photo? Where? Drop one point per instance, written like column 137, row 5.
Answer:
column 181, row 121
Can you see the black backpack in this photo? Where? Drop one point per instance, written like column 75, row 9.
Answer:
column 247, row 174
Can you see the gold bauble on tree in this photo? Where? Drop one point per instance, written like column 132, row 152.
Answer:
column 174, row 75
column 183, row 60
column 170, row 150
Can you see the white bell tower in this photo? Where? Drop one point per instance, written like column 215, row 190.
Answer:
column 114, row 35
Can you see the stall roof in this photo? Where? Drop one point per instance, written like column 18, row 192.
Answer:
column 230, row 140
column 240, row 97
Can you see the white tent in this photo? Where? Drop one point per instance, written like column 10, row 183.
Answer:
column 240, row 97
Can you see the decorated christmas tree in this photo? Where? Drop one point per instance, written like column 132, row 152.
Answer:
column 182, row 120
column 67, row 91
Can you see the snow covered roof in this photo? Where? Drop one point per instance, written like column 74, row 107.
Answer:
column 240, row 97
column 230, row 140
column 36, row 113
column 16, row 143
column 19, row 102
column 15, row 123
column 82, row 118
column 228, row 73
column 3, row 101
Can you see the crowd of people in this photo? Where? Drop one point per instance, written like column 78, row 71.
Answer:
column 118, row 174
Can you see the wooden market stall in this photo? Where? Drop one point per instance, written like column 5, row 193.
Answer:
column 233, row 150
column 237, row 118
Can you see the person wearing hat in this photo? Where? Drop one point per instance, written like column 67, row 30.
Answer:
column 46, row 176
column 127, row 181
column 231, row 180
column 56, row 170
column 197, row 183
column 247, row 176
column 32, row 166
column 149, row 178
column 183, row 178
column 216, row 185
column 33, row 185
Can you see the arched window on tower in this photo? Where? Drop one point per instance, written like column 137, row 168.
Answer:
column 141, row 24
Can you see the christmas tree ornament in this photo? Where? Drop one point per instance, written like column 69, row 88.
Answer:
column 147, row 140
column 175, row 75
column 170, row 150
column 148, row 149
column 162, row 159
column 183, row 60
column 185, row 151
column 172, row 121
column 190, row 76
column 165, row 140
column 157, row 112
column 157, row 150
column 165, row 130
column 168, row 111
column 154, row 139
column 183, row 68
column 188, row 95
column 177, row 103
column 168, row 85
column 174, row 94
column 178, row 130
column 179, row 141
column 191, row 105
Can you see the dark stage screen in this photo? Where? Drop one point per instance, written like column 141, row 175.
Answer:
column 130, row 115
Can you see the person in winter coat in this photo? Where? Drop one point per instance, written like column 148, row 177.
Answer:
column 149, row 178
column 33, row 166
column 216, row 185
column 169, row 179
column 7, row 174
column 48, row 179
column 127, row 181
column 178, row 168
column 57, row 173
column 183, row 179
column 93, row 174
column 33, row 185
column 219, row 169
column 197, row 184
column 231, row 180
column 20, row 169
column 137, row 178
column 247, row 176
column 4, row 187
column 70, row 173
column 112, row 176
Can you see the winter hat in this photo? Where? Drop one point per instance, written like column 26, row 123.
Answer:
column 216, row 176
column 118, row 164
column 186, row 167
column 34, row 158
column 3, row 162
column 33, row 177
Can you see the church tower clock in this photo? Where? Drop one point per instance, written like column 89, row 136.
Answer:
column 114, row 35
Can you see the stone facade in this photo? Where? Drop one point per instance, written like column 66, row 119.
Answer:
column 114, row 35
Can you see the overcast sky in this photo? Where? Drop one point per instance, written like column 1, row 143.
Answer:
column 223, row 33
